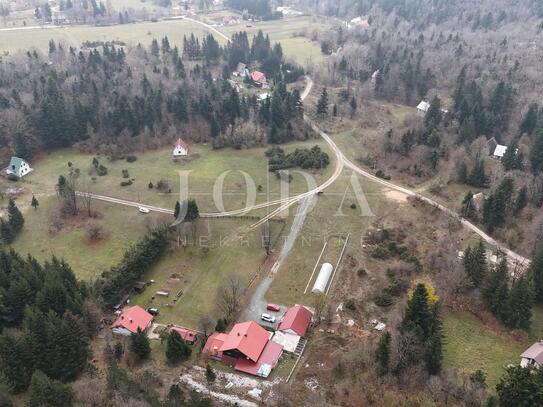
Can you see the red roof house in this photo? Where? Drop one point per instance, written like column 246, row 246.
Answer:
column 132, row 319
column 246, row 339
column 259, row 79
column 266, row 362
column 296, row 320
column 180, row 148
column 214, row 344
column 187, row 335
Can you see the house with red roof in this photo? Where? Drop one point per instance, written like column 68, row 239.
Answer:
column 293, row 327
column 187, row 335
column 259, row 79
column 180, row 148
column 247, row 348
column 132, row 319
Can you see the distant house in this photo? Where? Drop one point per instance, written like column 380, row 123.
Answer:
column 375, row 74
column 262, row 97
column 259, row 79
column 241, row 70
column 18, row 167
column 247, row 348
column 422, row 108
column 132, row 319
column 187, row 335
column 293, row 327
column 494, row 149
column 181, row 148
column 533, row 356
column 228, row 20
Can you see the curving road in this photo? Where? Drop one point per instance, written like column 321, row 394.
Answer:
column 341, row 162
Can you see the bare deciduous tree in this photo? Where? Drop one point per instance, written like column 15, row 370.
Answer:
column 206, row 324
column 229, row 296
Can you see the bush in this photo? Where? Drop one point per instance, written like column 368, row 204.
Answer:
column 131, row 158
column 126, row 183
column 383, row 300
column 382, row 175
column 126, row 174
column 151, row 186
column 101, row 170
column 94, row 231
column 350, row 304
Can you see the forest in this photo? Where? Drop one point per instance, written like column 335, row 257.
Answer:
column 119, row 97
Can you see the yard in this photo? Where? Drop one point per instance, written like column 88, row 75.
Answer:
column 196, row 272
column 469, row 345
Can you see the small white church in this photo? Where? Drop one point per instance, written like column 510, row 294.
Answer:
column 180, row 148
column 18, row 167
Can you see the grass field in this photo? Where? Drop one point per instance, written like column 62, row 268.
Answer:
column 142, row 33
column 205, row 166
column 123, row 227
column 201, row 272
column 332, row 219
column 470, row 346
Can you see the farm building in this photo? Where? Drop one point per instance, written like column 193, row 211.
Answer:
column 247, row 348
column 533, row 356
column 131, row 320
column 293, row 327
column 241, row 70
column 322, row 279
column 494, row 149
column 18, row 167
column 181, row 148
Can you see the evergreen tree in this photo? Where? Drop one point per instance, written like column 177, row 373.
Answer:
column 468, row 206
column 193, row 212
column 529, row 122
column 418, row 317
column 496, row 292
column 222, row 323
column 34, row 203
column 210, row 374
column 6, row 232
column 512, row 159
column 520, row 387
column 177, row 349
column 139, row 344
column 175, row 397
column 23, row 147
column 176, row 210
column 536, row 153
column 433, row 355
column 478, row 177
column 536, row 274
column 433, row 116
column 322, row 104
column 45, row 392
column 475, row 264
column 520, row 304
column 382, row 354
column 15, row 363
column 521, row 201
column 462, row 174
column 15, row 217
column 353, row 105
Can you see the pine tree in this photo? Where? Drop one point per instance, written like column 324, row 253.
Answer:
column 478, row 177
column 140, row 345
column 15, row 217
column 468, row 206
column 15, row 367
column 193, row 212
column 520, row 387
column 433, row 355
column 536, row 153
column 521, row 201
column 512, row 159
column 418, row 317
column 6, row 232
column 45, row 392
column 462, row 174
column 382, row 354
column 496, row 291
column 177, row 349
column 530, row 120
column 536, row 274
column 475, row 264
column 322, row 104
column 210, row 374
column 175, row 397
column 520, row 304
column 433, row 116
column 34, row 203
column 177, row 210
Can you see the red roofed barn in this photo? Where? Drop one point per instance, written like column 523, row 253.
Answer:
column 296, row 320
column 246, row 339
column 132, row 319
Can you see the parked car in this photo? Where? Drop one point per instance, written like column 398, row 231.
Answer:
column 153, row 311
column 273, row 307
column 143, row 209
column 268, row 318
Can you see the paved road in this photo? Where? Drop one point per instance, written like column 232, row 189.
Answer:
column 257, row 303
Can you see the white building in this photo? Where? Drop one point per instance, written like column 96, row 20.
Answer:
column 18, row 167
column 322, row 279
column 422, row 108
column 533, row 356
column 180, row 149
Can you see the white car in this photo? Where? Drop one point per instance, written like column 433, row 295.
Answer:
column 143, row 209
column 268, row 318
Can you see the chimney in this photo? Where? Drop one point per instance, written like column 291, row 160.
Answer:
column 238, row 334
column 122, row 316
column 130, row 320
column 245, row 335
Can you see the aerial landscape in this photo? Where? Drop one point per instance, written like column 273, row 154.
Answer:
column 271, row 203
